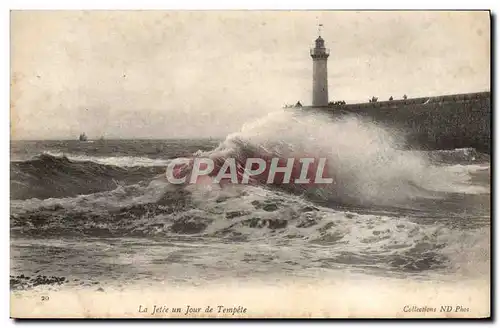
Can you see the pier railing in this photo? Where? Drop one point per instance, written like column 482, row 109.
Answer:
column 319, row 51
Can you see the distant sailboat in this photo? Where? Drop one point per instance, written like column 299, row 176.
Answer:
column 83, row 137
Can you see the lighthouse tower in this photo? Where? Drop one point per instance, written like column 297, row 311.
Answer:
column 320, row 55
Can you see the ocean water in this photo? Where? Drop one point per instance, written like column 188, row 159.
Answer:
column 101, row 214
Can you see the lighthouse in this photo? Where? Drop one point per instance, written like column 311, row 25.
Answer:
column 319, row 56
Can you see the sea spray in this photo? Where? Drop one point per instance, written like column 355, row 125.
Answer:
column 367, row 161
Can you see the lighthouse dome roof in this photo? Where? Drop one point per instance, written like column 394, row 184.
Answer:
column 320, row 43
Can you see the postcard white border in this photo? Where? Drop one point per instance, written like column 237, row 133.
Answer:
column 187, row 4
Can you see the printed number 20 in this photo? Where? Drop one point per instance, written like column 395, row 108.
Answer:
column 45, row 298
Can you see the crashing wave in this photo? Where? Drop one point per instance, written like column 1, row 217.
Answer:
column 367, row 162
column 459, row 155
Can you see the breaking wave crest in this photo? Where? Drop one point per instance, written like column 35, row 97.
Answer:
column 368, row 162
column 47, row 176
column 246, row 213
column 389, row 208
column 459, row 155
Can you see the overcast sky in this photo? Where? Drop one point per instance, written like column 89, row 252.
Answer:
column 160, row 74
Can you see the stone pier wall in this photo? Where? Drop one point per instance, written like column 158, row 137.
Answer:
column 445, row 122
